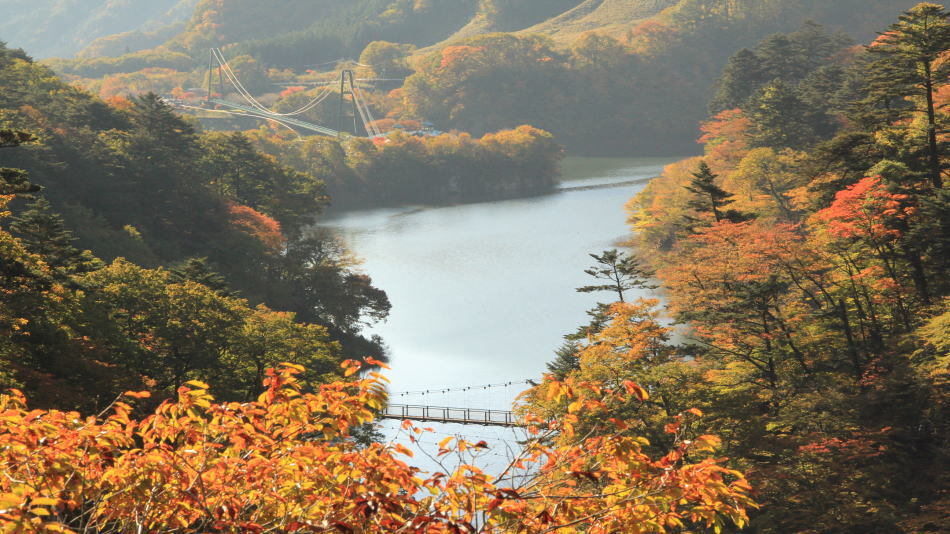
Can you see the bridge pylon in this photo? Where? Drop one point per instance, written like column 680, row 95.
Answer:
column 348, row 87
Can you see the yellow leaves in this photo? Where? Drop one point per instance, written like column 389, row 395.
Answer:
column 575, row 406
column 350, row 367
column 278, row 461
column 706, row 443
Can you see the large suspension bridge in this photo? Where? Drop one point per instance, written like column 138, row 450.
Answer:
column 358, row 121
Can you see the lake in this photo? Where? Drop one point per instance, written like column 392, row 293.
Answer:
column 483, row 293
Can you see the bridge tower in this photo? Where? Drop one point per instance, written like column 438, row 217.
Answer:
column 348, row 87
column 211, row 62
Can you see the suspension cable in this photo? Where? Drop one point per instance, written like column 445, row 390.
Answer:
column 284, row 124
column 371, row 123
column 462, row 388
column 236, row 83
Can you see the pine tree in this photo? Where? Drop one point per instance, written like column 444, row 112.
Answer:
column 780, row 118
column 15, row 181
column 43, row 232
column 565, row 360
column 907, row 65
column 622, row 272
column 741, row 76
column 197, row 270
column 709, row 196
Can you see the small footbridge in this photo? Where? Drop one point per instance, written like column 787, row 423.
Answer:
column 482, row 394
column 442, row 414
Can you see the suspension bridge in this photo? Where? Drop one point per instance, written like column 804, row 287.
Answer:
column 354, row 117
column 359, row 122
column 444, row 414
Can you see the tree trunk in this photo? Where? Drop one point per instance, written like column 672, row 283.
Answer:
column 935, row 177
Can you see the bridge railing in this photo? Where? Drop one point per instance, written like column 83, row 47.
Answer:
column 445, row 414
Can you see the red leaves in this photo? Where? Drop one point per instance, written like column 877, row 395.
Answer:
column 866, row 210
column 257, row 225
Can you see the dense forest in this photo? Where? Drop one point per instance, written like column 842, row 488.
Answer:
column 183, row 350
column 804, row 255
column 189, row 245
column 409, row 169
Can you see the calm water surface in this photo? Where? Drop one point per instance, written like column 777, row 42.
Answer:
column 483, row 293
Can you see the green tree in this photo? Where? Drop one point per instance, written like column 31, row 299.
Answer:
column 388, row 60
column 709, row 197
column 622, row 272
column 780, row 119
column 198, row 270
column 907, row 66
column 742, row 75
column 169, row 332
column 565, row 360
column 44, row 233
column 15, row 181
column 246, row 176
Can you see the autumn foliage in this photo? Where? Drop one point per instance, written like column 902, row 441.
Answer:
column 285, row 463
column 257, row 225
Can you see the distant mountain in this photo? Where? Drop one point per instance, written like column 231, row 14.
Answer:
column 605, row 76
column 51, row 28
column 562, row 20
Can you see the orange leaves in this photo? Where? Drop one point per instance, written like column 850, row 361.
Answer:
column 726, row 138
column 257, row 225
column 866, row 210
column 451, row 55
column 137, row 394
column 294, row 89
column 285, row 459
column 635, row 390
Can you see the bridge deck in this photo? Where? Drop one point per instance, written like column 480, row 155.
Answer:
column 442, row 414
column 289, row 120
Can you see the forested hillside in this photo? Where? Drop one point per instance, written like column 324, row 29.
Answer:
column 604, row 76
column 805, row 255
column 61, row 28
column 189, row 240
column 183, row 350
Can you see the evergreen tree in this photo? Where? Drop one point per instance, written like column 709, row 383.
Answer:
column 908, row 65
column 780, row 118
column 43, row 232
column 710, row 198
column 739, row 80
column 197, row 270
column 15, row 181
column 621, row 271
column 565, row 360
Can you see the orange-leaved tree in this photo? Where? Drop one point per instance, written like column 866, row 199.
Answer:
column 285, row 463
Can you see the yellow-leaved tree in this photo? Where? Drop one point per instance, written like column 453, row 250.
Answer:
column 285, row 463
